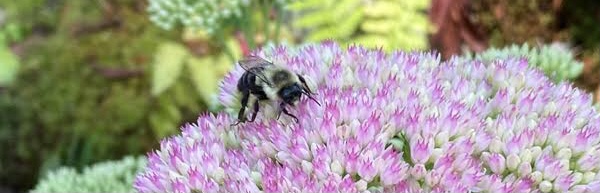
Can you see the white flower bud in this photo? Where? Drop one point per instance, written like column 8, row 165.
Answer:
column 564, row 153
column 256, row 177
column 526, row 156
column 496, row 146
column 524, row 169
column 588, row 177
column 218, row 175
column 537, row 176
column 577, row 177
column 578, row 189
column 432, row 178
column 536, row 151
column 361, row 185
column 436, row 153
column 545, row 186
column 337, row 167
column 549, row 108
column 564, row 165
column 307, row 167
column 441, row 138
column 512, row 161
column 563, row 142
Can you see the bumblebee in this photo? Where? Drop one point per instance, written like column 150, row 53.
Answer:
column 264, row 81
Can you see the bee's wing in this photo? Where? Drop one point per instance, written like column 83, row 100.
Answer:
column 256, row 65
column 254, row 61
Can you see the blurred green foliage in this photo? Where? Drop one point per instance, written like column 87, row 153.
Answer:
column 108, row 176
column 181, row 80
column 83, row 93
column 173, row 62
column 516, row 21
column 542, row 21
column 26, row 16
column 388, row 23
column 555, row 60
column 9, row 65
column 583, row 19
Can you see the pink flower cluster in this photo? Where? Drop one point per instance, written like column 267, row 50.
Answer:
column 399, row 122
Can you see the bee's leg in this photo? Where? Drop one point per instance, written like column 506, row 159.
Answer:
column 256, row 108
column 289, row 114
column 284, row 110
column 241, row 117
column 279, row 113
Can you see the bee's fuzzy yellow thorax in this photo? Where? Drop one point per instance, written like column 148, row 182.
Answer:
column 279, row 77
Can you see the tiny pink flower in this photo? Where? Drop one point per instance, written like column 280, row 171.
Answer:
column 421, row 149
column 366, row 169
column 496, row 162
column 418, row 171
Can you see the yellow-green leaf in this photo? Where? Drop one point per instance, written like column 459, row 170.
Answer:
column 167, row 65
column 389, row 23
column 374, row 40
column 382, row 9
column 314, row 19
column 308, row 4
column 9, row 66
column 381, row 26
column 235, row 48
column 204, row 75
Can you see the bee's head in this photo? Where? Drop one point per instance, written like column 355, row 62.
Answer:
column 291, row 93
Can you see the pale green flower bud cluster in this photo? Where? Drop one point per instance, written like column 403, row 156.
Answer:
column 556, row 60
column 208, row 15
column 110, row 176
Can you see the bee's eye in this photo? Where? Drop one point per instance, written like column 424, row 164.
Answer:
column 290, row 94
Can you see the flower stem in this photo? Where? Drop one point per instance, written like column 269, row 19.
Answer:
column 246, row 25
column 266, row 8
column 223, row 45
column 278, row 19
column 406, row 150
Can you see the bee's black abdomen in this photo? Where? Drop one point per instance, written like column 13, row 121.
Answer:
column 243, row 83
column 261, row 95
column 248, row 83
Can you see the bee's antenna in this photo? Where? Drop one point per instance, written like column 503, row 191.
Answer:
column 310, row 97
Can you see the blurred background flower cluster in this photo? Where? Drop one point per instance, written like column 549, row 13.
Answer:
column 86, row 86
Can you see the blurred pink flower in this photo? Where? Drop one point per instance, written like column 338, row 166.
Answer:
column 400, row 122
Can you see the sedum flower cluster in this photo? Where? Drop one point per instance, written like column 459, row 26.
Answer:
column 200, row 14
column 399, row 122
column 208, row 15
column 556, row 60
column 110, row 176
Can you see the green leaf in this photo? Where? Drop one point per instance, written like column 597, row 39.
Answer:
column 373, row 40
column 205, row 76
column 382, row 9
column 381, row 26
column 308, row 4
column 9, row 66
column 314, row 19
column 342, row 30
column 167, row 66
column 161, row 125
column 397, row 24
